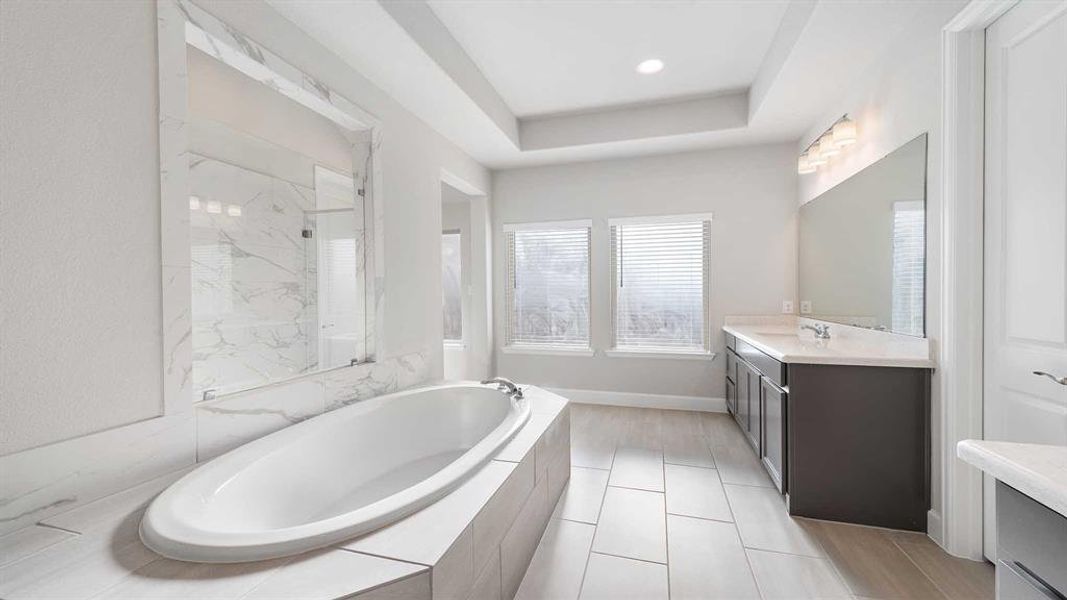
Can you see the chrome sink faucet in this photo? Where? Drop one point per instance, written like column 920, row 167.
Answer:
column 822, row 331
column 505, row 385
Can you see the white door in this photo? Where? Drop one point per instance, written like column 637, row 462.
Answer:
column 1025, row 230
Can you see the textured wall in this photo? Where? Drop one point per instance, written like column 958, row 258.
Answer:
column 80, row 347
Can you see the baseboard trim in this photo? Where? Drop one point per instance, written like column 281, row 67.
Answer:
column 934, row 528
column 666, row 401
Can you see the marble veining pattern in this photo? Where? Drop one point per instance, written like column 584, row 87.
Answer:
column 232, row 421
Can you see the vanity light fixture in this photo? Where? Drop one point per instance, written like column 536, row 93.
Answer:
column 214, row 207
column 194, row 203
column 233, row 210
column 839, row 135
column 650, row 66
column 844, row 132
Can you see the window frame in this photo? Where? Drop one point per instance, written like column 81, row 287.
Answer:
column 509, row 346
column 707, row 352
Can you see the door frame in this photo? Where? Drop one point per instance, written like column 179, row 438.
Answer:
column 962, row 235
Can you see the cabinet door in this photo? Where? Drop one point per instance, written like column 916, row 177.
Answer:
column 773, row 450
column 731, row 397
column 755, row 409
column 741, row 412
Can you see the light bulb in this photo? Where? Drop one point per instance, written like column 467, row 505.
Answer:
column 815, row 158
column 233, row 210
column 844, row 133
column 214, row 207
column 194, row 203
column 804, row 166
column 827, row 147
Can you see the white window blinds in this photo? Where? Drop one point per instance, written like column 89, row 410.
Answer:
column 660, row 283
column 909, row 248
column 548, row 285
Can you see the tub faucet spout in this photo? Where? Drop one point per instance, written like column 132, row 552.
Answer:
column 505, row 385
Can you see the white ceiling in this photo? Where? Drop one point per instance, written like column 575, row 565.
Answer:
column 548, row 57
column 518, row 83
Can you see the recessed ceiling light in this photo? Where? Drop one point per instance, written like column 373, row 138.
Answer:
column 650, row 66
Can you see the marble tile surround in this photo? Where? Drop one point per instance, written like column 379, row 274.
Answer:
column 254, row 310
column 224, row 424
column 475, row 543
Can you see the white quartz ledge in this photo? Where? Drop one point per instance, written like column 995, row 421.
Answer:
column 1037, row 470
column 781, row 338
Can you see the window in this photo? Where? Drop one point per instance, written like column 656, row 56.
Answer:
column 660, row 284
column 909, row 246
column 451, row 278
column 548, row 285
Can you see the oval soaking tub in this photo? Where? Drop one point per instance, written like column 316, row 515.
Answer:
column 333, row 477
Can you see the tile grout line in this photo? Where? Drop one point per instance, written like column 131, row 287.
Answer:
column 674, row 514
column 919, row 567
column 737, row 531
column 666, row 535
column 596, row 527
column 643, row 560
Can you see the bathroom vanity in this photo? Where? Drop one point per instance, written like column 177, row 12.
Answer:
column 1031, row 515
column 842, row 425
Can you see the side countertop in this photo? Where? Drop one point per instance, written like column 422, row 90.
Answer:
column 1037, row 470
column 782, row 339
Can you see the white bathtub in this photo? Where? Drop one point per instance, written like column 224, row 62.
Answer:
column 333, row 477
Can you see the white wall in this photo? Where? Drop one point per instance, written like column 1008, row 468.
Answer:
column 80, row 344
column 79, row 233
column 900, row 99
column 752, row 193
column 456, row 216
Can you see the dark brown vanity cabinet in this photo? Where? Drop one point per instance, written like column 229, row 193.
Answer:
column 753, row 396
column 748, row 401
column 772, row 419
column 844, row 443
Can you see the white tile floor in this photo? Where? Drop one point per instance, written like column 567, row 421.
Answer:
column 674, row 504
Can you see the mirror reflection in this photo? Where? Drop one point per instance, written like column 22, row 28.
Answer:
column 277, row 233
column 862, row 246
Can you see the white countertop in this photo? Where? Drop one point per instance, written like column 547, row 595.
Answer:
column 1037, row 470
column 782, row 339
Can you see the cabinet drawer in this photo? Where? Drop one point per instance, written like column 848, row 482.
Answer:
column 1031, row 537
column 769, row 367
column 1015, row 585
column 731, row 341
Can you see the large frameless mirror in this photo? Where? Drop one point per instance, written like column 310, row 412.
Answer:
column 863, row 246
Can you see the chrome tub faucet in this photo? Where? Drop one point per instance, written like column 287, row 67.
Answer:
column 505, row 385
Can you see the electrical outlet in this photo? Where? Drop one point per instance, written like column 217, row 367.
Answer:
column 805, row 307
column 787, row 307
